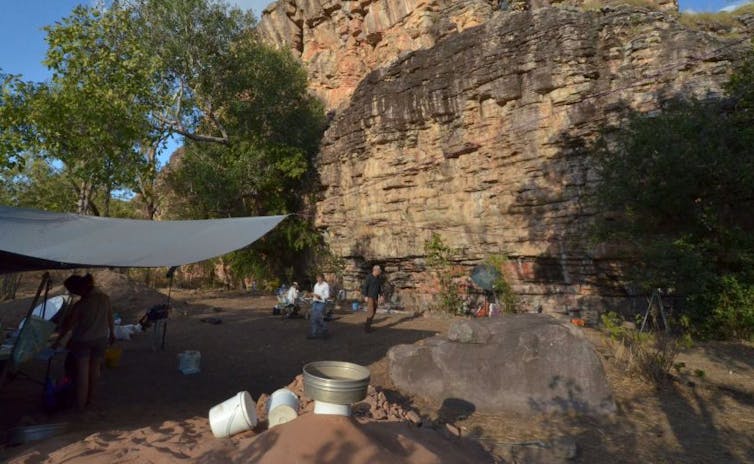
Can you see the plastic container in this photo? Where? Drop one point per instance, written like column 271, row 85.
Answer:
column 321, row 407
column 282, row 407
column 49, row 308
column 112, row 356
column 355, row 306
column 234, row 415
column 189, row 362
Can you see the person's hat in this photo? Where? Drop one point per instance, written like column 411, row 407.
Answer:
column 295, row 284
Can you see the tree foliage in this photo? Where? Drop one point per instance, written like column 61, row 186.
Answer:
column 680, row 189
column 274, row 127
column 127, row 77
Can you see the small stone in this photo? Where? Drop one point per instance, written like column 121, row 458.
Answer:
column 262, row 406
column 414, row 417
column 455, row 431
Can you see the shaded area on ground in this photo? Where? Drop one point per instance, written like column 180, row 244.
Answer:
column 251, row 350
column 147, row 403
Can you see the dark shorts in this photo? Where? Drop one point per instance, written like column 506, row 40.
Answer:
column 89, row 348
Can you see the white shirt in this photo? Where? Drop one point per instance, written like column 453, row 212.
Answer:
column 321, row 291
column 291, row 296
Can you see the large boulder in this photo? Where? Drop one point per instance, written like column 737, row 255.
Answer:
column 530, row 363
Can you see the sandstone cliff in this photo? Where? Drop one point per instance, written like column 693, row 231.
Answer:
column 342, row 41
column 478, row 134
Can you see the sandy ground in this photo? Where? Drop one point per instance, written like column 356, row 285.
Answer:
column 147, row 411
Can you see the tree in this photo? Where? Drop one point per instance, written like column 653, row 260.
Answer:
column 679, row 187
column 124, row 79
column 87, row 116
column 274, row 126
column 127, row 77
column 193, row 41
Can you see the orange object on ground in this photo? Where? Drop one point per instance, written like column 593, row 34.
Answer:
column 112, row 356
column 578, row 322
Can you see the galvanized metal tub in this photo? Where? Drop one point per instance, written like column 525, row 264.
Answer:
column 336, row 382
column 21, row 435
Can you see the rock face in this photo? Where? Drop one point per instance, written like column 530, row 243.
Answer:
column 468, row 118
column 481, row 139
column 531, row 364
column 342, row 41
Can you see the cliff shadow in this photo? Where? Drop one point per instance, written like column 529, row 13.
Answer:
column 570, row 271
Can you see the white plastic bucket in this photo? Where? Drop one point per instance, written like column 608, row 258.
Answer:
column 321, row 407
column 233, row 415
column 283, row 407
column 189, row 361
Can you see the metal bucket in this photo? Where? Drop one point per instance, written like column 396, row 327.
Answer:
column 21, row 435
column 336, row 382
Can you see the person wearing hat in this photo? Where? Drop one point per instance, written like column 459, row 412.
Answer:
column 90, row 321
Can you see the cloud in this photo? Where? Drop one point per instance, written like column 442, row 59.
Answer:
column 736, row 5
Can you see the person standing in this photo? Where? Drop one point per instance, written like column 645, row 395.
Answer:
column 90, row 321
column 321, row 293
column 372, row 290
column 292, row 296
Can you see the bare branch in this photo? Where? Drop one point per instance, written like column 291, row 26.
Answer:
column 180, row 129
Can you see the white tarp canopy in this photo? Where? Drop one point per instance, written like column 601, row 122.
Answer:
column 36, row 240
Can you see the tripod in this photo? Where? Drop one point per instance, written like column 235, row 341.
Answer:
column 655, row 308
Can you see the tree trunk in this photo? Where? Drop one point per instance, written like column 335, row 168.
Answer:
column 108, row 192
column 147, row 179
column 9, row 285
column 83, row 203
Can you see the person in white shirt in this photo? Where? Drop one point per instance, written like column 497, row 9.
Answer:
column 292, row 294
column 318, row 328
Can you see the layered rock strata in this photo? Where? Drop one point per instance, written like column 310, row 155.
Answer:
column 481, row 137
column 342, row 41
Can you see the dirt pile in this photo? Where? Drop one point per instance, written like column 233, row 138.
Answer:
column 129, row 298
column 380, row 431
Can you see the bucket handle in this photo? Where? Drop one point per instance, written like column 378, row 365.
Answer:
column 232, row 417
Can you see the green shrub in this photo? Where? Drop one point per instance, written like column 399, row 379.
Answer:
column 440, row 258
column 731, row 314
column 676, row 188
column 503, row 290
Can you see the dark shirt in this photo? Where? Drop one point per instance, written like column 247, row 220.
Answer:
column 92, row 316
column 372, row 287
